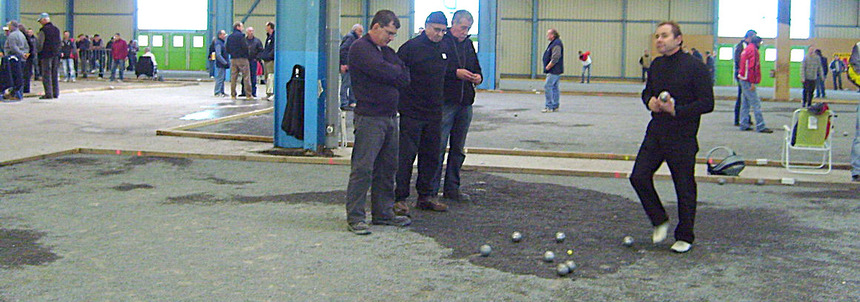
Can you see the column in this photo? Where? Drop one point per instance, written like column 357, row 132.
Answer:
column 782, row 87
column 487, row 24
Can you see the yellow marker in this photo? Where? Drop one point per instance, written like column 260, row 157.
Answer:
column 626, row 157
column 570, row 252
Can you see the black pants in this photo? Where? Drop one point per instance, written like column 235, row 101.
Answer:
column 49, row 76
column 28, row 74
column 421, row 138
column 681, row 158
column 738, row 106
column 808, row 90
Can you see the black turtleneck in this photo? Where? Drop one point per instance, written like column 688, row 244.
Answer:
column 689, row 83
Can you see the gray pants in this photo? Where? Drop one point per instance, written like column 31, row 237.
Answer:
column 374, row 163
column 49, row 76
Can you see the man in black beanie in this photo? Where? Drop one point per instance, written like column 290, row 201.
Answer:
column 420, row 110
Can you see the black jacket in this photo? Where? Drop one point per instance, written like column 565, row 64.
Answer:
column 422, row 99
column 687, row 80
column 255, row 47
column 345, row 43
column 377, row 74
column 461, row 55
column 51, row 44
column 237, row 45
column 268, row 53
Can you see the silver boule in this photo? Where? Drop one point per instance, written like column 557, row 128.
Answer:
column 562, row 269
column 628, row 241
column 570, row 265
column 559, row 237
column 516, row 237
column 549, row 256
column 486, row 250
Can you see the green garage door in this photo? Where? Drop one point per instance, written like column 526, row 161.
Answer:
column 767, row 55
column 177, row 50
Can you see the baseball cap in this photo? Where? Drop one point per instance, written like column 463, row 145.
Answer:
column 437, row 17
column 43, row 16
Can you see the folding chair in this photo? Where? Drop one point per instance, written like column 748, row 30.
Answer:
column 810, row 133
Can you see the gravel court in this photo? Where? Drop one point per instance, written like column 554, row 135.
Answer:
column 143, row 229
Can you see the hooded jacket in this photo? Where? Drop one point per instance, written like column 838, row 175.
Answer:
column 461, row 55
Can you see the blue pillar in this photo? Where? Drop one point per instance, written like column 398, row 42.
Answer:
column 223, row 16
column 300, row 39
column 487, row 42
column 12, row 11
column 535, row 35
column 70, row 17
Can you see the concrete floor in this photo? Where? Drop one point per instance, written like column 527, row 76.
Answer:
column 118, row 240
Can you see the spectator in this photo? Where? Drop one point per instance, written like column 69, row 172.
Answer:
column 378, row 75
column 31, row 59
column 750, row 75
column 17, row 50
column 119, row 53
column 147, row 52
column 83, row 45
column 255, row 47
column 268, row 57
column 837, row 67
column 347, row 98
column 697, row 55
column 739, row 49
column 821, row 91
column 34, row 56
column 97, row 55
column 811, row 71
column 221, row 63
column 645, row 62
column 49, row 51
column 67, row 50
column 133, row 48
column 712, row 66
column 237, row 48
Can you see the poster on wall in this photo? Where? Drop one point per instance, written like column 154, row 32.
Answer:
column 423, row 8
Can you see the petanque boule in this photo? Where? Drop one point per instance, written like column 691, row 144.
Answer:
column 516, row 237
column 570, row 265
column 549, row 256
column 759, row 182
column 721, row 181
column 562, row 269
column 559, row 237
column 486, row 250
column 628, row 241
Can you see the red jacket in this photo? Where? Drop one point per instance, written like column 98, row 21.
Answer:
column 750, row 69
column 119, row 49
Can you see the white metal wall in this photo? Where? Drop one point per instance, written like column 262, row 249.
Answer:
column 104, row 17
column 837, row 19
column 264, row 12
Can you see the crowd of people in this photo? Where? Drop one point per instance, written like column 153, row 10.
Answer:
column 49, row 55
column 243, row 53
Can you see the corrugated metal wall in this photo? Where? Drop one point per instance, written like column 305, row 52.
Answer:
column 837, row 19
column 264, row 12
column 104, row 17
column 598, row 26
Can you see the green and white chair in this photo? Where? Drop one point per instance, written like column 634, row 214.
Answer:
column 810, row 134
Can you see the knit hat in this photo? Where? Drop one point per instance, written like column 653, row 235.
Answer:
column 43, row 16
column 437, row 17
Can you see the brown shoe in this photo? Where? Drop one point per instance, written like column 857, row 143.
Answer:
column 401, row 209
column 431, row 204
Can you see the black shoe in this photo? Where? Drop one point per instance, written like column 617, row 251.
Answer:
column 766, row 130
column 359, row 228
column 400, row 221
column 855, row 178
column 457, row 196
column 45, row 97
column 346, row 108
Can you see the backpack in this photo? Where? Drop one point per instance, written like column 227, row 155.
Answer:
column 731, row 165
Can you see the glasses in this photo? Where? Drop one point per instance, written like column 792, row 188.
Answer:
column 391, row 33
column 439, row 30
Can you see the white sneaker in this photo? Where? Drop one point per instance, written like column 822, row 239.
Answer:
column 546, row 110
column 660, row 232
column 681, row 246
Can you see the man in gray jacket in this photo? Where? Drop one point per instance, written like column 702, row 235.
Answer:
column 17, row 49
column 811, row 70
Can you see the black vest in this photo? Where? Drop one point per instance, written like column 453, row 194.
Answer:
column 558, row 68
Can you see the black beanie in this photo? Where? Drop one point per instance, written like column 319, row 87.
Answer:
column 437, row 17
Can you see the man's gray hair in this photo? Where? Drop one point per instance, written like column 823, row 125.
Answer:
column 356, row 26
column 13, row 25
column 461, row 15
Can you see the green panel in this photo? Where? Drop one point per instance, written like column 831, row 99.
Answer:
column 725, row 68
column 199, row 52
column 177, row 57
column 159, row 50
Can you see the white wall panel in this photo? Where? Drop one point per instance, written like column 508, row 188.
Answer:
column 841, row 33
column 399, row 7
column 638, row 40
column 581, row 9
column 105, row 26
column 103, row 6
column 692, row 10
column 696, row 29
column 603, row 39
column 837, row 12
column 347, row 23
column 351, row 7
column 515, row 8
column 514, row 47
column 647, row 9
column 42, row 6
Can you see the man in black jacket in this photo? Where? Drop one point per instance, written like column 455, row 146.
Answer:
column 255, row 47
column 49, row 56
column 671, row 134
column 237, row 48
column 377, row 74
column 463, row 72
column 420, row 110
column 268, row 58
column 347, row 98
column 31, row 60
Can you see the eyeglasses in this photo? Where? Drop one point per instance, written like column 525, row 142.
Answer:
column 391, row 33
column 439, row 30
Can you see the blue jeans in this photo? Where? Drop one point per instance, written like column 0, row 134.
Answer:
column 583, row 79
column 68, row 68
column 551, row 88
column 220, row 75
column 346, row 96
column 855, row 148
column 455, row 125
column 17, row 73
column 749, row 98
column 820, row 90
column 373, row 166
column 117, row 65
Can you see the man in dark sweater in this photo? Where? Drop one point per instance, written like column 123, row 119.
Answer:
column 237, row 48
column 671, row 134
column 268, row 58
column 420, row 110
column 461, row 75
column 255, row 47
column 347, row 98
column 49, row 56
column 377, row 74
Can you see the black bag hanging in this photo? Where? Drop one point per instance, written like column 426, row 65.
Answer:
column 294, row 114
